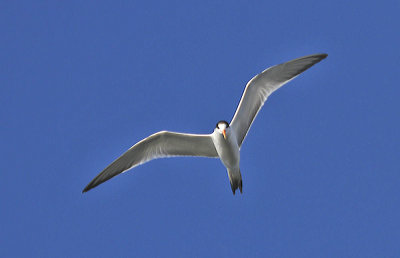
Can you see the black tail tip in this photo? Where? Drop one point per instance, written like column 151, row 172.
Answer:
column 233, row 187
column 236, row 186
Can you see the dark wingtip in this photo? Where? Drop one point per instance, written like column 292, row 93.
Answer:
column 323, row 55
column 320, row 56
column 87, row 188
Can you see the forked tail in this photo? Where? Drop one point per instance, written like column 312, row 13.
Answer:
column 235, row 178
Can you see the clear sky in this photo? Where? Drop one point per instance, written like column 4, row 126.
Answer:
column 82, row 81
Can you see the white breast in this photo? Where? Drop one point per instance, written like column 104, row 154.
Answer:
column 227, row 149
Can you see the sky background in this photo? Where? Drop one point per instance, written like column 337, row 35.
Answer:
column 82, row 81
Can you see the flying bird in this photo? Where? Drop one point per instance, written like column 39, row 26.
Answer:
column 226, row 140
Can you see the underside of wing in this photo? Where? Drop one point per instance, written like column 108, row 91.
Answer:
column 158, row 145
column 262, row 85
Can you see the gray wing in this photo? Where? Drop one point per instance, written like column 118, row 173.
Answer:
column 262, row 85
column 159, row 145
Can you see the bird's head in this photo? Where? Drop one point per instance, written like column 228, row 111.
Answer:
column 222, row 128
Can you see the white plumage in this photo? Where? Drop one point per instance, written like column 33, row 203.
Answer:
column 225, row 141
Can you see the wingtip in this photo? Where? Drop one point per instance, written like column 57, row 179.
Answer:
column 319, row 56
column 87, row 188
column 324, row 55
column 315, row 58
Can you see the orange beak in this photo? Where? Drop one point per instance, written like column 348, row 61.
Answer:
column 223, row 132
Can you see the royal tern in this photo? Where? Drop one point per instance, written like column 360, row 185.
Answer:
column 225, row 141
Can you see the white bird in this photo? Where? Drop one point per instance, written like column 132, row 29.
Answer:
column 225, row 141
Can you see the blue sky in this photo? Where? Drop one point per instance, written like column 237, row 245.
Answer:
column 81, row 82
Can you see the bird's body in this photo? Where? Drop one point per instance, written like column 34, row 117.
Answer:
column 228, row 151
column 227, row 147
column 225, row 141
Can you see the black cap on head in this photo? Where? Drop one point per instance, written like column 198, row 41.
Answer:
column 222, row 122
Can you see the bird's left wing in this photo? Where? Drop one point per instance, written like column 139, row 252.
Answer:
column 262, row 85
column 159, row 145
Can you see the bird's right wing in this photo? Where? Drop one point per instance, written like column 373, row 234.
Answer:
column 159, row 145
column 262, row 85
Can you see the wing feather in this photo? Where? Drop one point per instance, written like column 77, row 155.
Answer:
column 262, row 85
column 159, row 145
